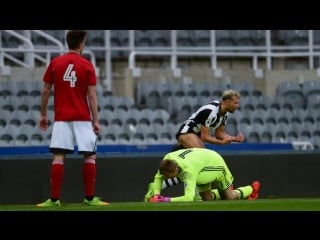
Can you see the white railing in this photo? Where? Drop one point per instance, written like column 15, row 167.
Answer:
column 33, row 53
column 267, row 52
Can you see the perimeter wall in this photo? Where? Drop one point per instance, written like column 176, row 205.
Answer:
column 125, row 177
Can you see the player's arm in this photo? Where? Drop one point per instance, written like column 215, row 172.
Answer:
column 206, row 137
column 189, row 190
column 221, row 134
column 157, row 183
column 43, row 124
column 93, row 102
column 93, row 105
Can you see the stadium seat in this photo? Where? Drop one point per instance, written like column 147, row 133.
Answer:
column 147, row 116
column 161, row 38
column 281, row 133
column 9, row 88
column 253, row 137
column 151, row 135
column 305, row 135
column 126, row 103
column 244, row 37
column 143, row 38
column 266, row 137
column 5, row 115
column 119, row 117
column 21, row 140
column 37, row 139
column 260, row 117
column 185, row 38
column 202, row 89
column 165, row 138
column 6, row 140
column 247, row 103
column 291, row 92
column 231, row 127
column 202, row 38
column 158, row 128
column 313, row 102
column 161, row 116
column 316, row 142
column 260, row 37
column 225, row 38
column 137, row 138
column 96, row 38
column 296, row 37
column 112, row 102
column 311, row 88
column 245, row 89
column 172, row 129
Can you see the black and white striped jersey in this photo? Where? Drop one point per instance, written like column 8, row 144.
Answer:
column 207, row 115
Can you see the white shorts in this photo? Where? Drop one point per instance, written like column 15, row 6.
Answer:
column 65, row 135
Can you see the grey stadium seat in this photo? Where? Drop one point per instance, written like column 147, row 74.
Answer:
column 291, row 91
column 311, row 88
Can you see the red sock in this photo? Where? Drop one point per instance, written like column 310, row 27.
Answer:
column 89, row 176
column 56, row 178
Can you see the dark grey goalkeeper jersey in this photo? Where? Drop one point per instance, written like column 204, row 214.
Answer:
column 207, row 115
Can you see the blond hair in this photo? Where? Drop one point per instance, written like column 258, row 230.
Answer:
column 228, row 94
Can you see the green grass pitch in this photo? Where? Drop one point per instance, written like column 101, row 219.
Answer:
column 292, row 204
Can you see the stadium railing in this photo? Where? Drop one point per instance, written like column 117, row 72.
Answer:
column 268, row 50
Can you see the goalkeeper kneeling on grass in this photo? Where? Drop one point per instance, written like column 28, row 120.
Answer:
column 202, row 168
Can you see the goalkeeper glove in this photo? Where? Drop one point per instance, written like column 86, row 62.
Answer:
column 159, row 198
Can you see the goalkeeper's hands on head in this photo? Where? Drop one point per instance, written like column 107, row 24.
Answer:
column 159, row 198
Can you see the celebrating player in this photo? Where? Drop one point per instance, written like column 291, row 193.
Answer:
column 196, row 130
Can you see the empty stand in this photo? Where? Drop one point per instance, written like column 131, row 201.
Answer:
column 110, row 102
column 244, row 88
column 143, row 38
column 202, row 38
column 291, row 92
column 231, row 127
column 185, row 38
column 253, row 137
column 161, row 116
column 266, row 137
column 126, row 103
column 225, row 38
column 316, row 142
column 160, row 38
column 295, row 37
column 313, row 102
column 244, row 37
column 202, row 89
column 311, row 88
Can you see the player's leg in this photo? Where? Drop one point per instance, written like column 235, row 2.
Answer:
column 208, row 194
column 224, row 184
column 216, row 194
column 87, row 146
column 249, row 192
column 255, row 190
column 190, row 140
column 60, row 144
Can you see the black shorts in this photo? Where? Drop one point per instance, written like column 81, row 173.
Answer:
column 188, row 127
